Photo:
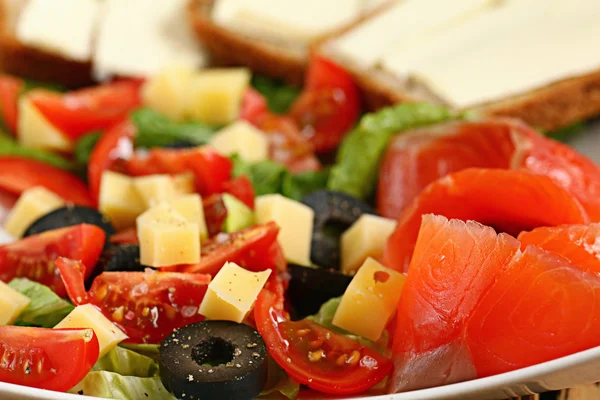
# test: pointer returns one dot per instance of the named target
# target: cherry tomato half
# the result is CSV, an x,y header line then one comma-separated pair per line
x,y
10,90
242,189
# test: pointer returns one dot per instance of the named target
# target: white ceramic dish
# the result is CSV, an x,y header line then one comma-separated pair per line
x,y
577,369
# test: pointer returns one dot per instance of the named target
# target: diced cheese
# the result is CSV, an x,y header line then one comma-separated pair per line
x,y
167,92
88,316
34,130
167,238
158,36
184,183
295,221
32,204
190,207
12,304
154,188
232,293
365,238
63,27
5,237
370,300
119,200
216,95
243,139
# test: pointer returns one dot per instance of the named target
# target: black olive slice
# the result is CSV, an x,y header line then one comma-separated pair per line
x,y
69,216
121,257
334,213
214,360
310,287
180,144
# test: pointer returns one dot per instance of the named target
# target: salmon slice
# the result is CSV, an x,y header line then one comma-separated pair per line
x,y
475,305
511,201
414,160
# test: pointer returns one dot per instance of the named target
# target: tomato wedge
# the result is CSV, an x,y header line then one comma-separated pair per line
x,y
148,306
215,213
52,359
115,144
33,257
126,236
254,105
242,189
19,174
328,107
211,170
81,111
315,356
10,90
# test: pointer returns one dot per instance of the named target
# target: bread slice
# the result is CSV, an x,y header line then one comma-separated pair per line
x,y
32,63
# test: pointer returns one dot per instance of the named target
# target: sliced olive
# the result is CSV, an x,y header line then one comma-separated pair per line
x,y
310,287
214,360
334,213
121,257
69,216
180,144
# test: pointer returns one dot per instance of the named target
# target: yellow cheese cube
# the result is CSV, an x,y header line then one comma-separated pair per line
x,y
216,95
154,188
295,221
232,293
119,200
365,238
167,238
184,183
88,316
167,91
243,139
33,203
12,304
34,130
190,207
370,300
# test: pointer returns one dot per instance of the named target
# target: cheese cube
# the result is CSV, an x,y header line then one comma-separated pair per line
x,y
216,95
88,316
167,238
365,238
295,221
184,183
243,139
370,300
154,188
167,91
232,293
5,237
119,200
33,203
190,207
34,130
12,304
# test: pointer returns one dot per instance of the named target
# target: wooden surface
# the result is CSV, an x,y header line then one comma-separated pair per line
x,y
591,392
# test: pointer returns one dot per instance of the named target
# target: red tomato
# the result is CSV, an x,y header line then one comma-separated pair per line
x,y
81,111
33,257
254,105
329,105
52,359
242,189
315,356
114,144
10,90
148,306
210,169
215,213
19,174
127,236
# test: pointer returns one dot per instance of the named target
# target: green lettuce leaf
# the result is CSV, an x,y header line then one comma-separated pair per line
x,y
149,350
8,147
279,385
127,362
114,386
568,132
279,95
84,147
156,130
299,185
46,308
355,171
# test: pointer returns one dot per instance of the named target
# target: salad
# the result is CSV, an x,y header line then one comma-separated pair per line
x,y
213,234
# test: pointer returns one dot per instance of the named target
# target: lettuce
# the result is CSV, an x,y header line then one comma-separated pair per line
x,y
8,147
114,386
127,362
279,95
279,384
46,308
85,145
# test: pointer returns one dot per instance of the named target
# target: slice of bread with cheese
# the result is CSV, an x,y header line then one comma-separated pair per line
x,y
273,37
78,42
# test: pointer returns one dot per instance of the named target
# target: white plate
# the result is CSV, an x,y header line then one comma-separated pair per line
x,y
577,369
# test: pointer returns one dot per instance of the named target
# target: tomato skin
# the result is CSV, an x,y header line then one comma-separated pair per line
x,y
33,257
97,108
254,105
10,90
291,344
113,144
215,213
147,306
64,356
126,236
242,189
19,174
329,105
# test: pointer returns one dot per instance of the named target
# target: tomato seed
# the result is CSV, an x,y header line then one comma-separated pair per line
x,y
354,358
302,332
341,360
117,315
315,356
315,344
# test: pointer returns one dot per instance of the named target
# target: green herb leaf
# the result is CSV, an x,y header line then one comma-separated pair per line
x,y
8,147
279,95
298,186
46,308
85,146
568,132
